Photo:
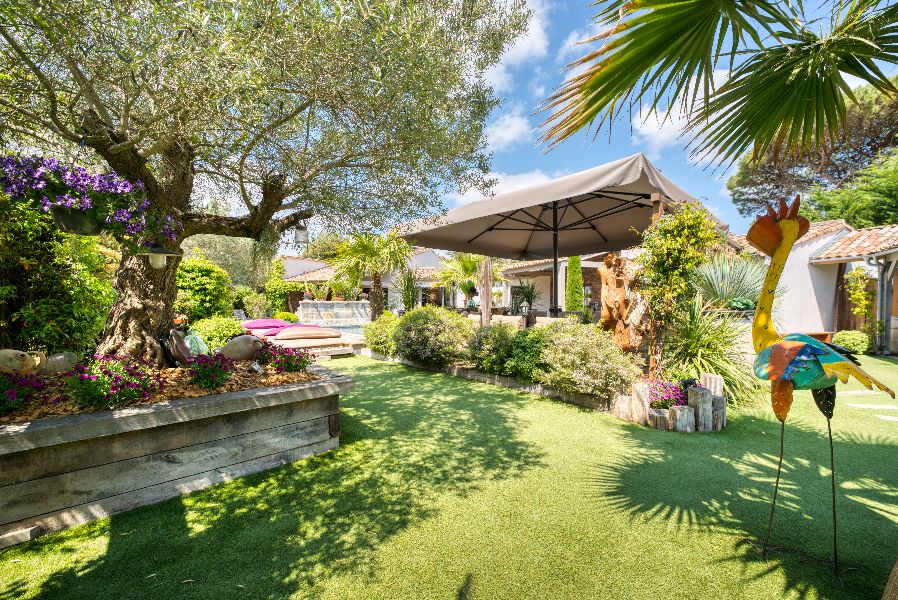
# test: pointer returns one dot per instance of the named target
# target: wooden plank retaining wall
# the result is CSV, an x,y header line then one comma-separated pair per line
x,y
64,471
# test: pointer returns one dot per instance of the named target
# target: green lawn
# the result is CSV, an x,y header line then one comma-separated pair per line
x,y
443,488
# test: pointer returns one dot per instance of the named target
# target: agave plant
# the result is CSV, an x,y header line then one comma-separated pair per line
x,y
702,341
727,281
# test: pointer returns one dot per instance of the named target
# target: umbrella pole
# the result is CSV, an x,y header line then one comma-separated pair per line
x,y
553,310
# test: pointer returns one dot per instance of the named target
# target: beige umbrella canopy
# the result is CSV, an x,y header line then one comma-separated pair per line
x,y
601,209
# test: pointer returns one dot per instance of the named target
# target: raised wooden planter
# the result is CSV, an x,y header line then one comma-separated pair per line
x,y
63,471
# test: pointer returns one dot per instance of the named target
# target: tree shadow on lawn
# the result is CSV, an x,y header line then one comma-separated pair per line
x,y
407,437
724,482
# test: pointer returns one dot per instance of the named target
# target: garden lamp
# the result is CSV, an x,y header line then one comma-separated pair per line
x,y
301,234
525,308
158,255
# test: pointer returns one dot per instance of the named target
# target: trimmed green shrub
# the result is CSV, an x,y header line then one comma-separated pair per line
x,y
527,354
286,316
432,335
491,347
278,289
216,331
857,342
573,289
204,290
584,359
54,291
379,334
255,306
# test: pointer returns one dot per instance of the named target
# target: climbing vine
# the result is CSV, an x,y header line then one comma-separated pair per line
x,y
861,296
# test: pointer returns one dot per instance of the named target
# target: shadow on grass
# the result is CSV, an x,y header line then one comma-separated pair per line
x,y
705,481
407,437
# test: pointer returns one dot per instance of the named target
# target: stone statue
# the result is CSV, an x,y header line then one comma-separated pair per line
x,y
18,362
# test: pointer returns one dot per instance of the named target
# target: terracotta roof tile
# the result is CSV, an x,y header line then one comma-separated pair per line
x,y
322,274
863,242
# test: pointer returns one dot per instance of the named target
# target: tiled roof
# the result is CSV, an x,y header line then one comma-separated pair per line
x,y
860,243
738,240
817,229
521,264
427,273
322,274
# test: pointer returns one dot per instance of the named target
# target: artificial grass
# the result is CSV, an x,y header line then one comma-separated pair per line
x,y
445,488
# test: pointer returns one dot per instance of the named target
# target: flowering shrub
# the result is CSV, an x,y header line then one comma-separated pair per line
x,y
17,390
584,359
212,371
110,380
291,360
432,335
379,334
664,394
118,203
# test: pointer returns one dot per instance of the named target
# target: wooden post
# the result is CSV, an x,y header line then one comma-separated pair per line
x,y
486,291
718,413
683,418
621,407
700,399
659,418
891,592
639,412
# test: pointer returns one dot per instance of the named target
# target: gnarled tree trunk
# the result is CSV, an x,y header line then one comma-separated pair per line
x,y
143,310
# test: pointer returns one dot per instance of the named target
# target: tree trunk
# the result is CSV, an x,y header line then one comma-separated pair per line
x,y
376,297
143,309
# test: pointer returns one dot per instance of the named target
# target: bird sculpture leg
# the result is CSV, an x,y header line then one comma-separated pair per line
x,y
781,399
826,401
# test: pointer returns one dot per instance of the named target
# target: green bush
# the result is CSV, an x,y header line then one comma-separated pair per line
x,y
277,289
432,335
216,331
286,316
857,342
54,291
255,306
491,347
527,354
573,289
379,334
240,293
701,341
204,290
584,359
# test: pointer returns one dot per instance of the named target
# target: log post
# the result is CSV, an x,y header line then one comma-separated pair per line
x,y
639,412
621,407
486,291
891,592
700,399
712,382
659,418
683,418
718,413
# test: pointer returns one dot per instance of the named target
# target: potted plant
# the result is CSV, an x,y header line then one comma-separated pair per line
x,y
87,203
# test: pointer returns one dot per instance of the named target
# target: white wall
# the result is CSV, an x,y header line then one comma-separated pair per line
x,y
808,302
297,266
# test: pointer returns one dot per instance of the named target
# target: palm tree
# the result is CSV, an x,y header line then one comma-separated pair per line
x,y
368,255
784,91
461,270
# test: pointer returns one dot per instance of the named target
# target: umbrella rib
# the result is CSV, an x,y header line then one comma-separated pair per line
x,y
503,218
591,224
540,219
607,213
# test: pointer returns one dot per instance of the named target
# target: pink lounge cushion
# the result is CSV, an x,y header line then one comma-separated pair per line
x,y
276,330
264,323
306,333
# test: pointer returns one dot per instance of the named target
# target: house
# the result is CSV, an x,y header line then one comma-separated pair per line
x,y
814,299
539,272
424,261
297,265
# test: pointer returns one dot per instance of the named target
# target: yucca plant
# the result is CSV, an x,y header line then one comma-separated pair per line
x,y
725,281
409,288
700,341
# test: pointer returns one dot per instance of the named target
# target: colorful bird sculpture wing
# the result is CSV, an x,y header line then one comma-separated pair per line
x,y
834,365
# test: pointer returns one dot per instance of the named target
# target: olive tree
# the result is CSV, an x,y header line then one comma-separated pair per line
x,y
361,111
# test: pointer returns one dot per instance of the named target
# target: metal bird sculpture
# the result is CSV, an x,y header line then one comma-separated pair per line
x,y
795,361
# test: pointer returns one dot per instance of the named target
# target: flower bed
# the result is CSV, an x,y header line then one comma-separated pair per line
x,y
65,470
105,382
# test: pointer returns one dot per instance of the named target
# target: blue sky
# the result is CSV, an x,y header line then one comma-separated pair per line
x,y
528,73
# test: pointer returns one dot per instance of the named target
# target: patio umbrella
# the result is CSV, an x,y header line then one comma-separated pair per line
x,y
598,210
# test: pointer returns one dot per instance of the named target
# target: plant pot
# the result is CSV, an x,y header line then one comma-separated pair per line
x,y
74,220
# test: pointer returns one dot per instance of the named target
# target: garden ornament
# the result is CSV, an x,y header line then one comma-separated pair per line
x,y
18,362
58,363
242,347
795,361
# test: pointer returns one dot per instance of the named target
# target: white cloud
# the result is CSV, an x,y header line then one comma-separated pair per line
x,y
571,47
663,128
531,46
508,182
509,130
